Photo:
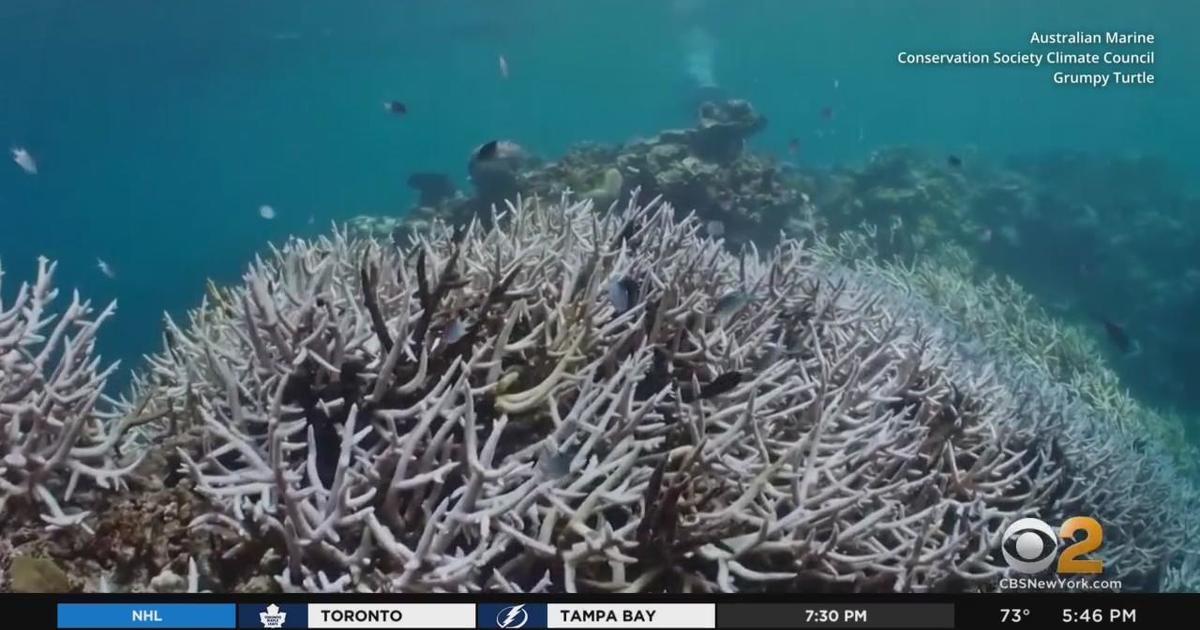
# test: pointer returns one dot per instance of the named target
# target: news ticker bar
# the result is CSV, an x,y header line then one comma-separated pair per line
x,y
977,613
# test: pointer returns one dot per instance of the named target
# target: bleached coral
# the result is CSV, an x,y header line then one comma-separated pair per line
x,y
51,436
1132,451
579,401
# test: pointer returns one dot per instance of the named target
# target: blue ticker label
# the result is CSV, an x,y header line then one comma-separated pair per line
x,y
147,615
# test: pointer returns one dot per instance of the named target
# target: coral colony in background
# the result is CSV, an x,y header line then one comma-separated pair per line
x,y
639,368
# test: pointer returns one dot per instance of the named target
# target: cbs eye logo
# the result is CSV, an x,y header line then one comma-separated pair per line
x,y
1029,545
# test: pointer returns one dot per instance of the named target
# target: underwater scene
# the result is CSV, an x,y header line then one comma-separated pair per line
x,y
609,296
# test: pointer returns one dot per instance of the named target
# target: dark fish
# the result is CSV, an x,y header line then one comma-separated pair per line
x,y
434,187
954,161
487,151
624,293
398,239
794,146
720,385
651,315
396,107
827,112
657,377
1118,336
732,301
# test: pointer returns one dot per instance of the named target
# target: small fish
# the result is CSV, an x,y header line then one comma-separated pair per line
x,y
312,219
716,229
105,269
24,160
1118,336
454,331
555,464
503,67
954,161
433,187
623,292
395,107
266,212
986,235
827,112
836,84
722,384
732,302
794,146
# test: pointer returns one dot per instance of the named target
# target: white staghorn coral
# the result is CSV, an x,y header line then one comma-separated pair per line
x,y
1139,475
575,401
51,436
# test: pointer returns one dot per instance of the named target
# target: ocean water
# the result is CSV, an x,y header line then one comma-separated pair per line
x,y
160,128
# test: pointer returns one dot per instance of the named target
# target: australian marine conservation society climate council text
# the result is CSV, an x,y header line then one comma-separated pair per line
x,y
1063,57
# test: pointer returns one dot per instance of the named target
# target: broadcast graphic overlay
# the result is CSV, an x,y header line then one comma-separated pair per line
x,y
1032,547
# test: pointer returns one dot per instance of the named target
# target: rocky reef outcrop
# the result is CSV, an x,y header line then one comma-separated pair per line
x,y
705,169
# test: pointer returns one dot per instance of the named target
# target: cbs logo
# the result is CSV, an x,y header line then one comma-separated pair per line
x,y
1029,545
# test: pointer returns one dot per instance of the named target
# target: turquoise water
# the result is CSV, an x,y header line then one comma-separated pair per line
x,y
160,128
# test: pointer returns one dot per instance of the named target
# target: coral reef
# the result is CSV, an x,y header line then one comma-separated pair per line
x,y
1096,238
913,201
1006,328
1093,237
705,169
54,444
578,396
1129,226
575,401
724,127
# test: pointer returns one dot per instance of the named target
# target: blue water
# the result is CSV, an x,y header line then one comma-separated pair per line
x,y
161,127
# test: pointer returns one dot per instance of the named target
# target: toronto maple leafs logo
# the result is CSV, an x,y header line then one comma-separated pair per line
x,y
273,618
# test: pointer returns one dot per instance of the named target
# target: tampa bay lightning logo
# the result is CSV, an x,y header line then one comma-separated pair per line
x,y
512,617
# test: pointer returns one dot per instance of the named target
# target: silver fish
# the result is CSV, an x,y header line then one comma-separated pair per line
x,y
623,292
454,331
24,160
716,229
105,269
732,302
555,464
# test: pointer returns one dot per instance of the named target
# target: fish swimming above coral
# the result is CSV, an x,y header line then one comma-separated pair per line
x,y
24,160
1119,337
494,167
433,187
